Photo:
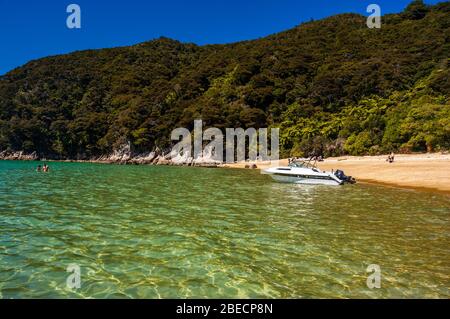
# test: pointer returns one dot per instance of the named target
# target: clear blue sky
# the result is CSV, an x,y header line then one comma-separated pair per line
x,y
37,28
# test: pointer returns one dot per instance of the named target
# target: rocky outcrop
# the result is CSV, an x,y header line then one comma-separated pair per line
x,y
206,160
120,155
124,155
18,156
142,159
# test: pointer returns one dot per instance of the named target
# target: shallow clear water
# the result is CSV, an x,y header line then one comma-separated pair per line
x,y
168,232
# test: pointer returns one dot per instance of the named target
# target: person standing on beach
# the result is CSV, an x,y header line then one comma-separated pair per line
x,y
391,158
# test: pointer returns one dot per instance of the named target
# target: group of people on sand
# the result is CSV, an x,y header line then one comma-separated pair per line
x,y
43,168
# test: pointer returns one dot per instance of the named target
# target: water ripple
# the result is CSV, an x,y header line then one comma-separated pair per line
x,y
167,232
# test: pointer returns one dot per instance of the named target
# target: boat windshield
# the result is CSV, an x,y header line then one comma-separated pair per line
x,y
301,165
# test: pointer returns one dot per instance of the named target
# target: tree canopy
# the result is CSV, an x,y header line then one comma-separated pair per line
x,y
333,85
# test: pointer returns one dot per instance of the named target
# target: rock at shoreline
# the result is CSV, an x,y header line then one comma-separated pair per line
x,y
144,158
124,156
18,156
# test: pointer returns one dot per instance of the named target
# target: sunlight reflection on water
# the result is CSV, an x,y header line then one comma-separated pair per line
x,y
160,232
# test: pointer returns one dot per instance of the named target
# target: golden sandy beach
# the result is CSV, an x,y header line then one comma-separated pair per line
x,y
420,171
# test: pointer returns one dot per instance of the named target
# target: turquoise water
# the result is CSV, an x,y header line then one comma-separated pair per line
x,y
171,232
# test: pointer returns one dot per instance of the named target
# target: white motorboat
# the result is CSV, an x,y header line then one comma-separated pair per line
x,y
306,173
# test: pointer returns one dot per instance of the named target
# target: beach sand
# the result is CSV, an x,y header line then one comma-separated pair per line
x,y
418,171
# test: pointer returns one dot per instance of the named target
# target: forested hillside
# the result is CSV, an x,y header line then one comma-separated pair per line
x,y
332,85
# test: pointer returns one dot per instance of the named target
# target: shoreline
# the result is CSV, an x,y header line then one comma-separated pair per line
x,y
425,172
118,158
422,172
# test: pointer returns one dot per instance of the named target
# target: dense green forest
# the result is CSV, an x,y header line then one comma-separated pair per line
x,y
333,86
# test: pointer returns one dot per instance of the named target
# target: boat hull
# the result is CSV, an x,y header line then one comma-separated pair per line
x,y
303,173
302,180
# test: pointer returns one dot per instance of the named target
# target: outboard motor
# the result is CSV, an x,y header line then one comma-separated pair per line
x,y
346,179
